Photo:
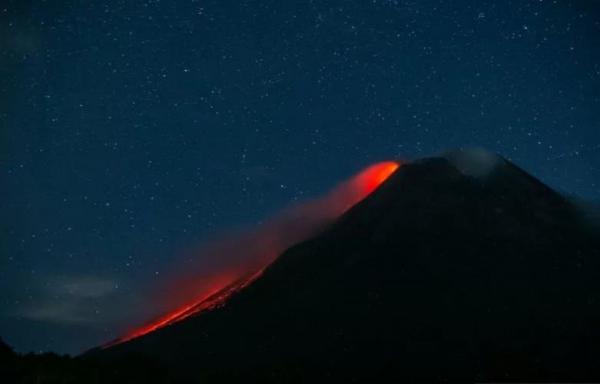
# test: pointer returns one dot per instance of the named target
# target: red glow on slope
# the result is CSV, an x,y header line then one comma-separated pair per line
x,y
212,299
371,178
250,253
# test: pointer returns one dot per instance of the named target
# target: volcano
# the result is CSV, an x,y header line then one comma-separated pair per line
x,y
458,267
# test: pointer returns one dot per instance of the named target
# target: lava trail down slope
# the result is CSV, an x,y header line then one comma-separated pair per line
x,y
260,247
458,267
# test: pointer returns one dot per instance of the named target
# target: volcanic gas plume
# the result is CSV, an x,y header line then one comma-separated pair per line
x,y
234,261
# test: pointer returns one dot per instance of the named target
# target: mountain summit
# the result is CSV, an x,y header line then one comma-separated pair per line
x,y
457,267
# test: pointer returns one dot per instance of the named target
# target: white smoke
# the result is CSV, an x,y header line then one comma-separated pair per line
x,y
474,162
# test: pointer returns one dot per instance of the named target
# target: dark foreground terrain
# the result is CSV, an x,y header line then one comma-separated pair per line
x,y
461,267
51,368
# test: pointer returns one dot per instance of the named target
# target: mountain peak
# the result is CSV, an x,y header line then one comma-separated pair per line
x,y
460,267
475,162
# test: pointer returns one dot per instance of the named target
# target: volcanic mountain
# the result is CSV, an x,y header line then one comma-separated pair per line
x,y
457,267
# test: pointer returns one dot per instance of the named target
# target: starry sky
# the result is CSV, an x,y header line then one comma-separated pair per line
x,y
132,131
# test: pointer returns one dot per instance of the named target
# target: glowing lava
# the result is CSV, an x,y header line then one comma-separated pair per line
x,y
262,246
371,178
208,301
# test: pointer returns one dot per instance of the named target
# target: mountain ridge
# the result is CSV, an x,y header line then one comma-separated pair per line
x,y
436,275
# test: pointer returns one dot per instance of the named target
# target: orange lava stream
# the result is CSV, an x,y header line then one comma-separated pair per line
x,y
371,178
214,298
338,201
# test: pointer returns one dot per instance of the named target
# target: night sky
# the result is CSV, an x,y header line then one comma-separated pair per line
x,y
131,132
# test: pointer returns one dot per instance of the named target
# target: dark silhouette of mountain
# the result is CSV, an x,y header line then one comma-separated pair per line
x,y
50,368
462,267
591,209
5,350
458,267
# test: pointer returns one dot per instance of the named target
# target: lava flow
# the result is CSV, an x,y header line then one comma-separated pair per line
x,y
210,300
247,255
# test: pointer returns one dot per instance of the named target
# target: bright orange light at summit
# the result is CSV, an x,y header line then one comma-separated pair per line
x,y
375,175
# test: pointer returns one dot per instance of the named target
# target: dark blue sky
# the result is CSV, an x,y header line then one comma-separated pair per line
x,y
131,131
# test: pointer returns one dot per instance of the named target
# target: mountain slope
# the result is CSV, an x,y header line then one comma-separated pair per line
x,y
459,267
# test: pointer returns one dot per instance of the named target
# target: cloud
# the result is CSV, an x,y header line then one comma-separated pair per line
x,y
61,311
71,300
86,286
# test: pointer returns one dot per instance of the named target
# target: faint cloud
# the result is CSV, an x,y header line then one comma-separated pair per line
x,y
71,300
63,312
86,287
475,162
